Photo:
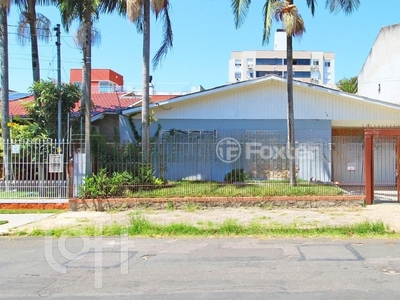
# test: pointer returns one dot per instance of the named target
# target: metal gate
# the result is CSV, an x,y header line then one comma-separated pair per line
x,y
35,169
382,164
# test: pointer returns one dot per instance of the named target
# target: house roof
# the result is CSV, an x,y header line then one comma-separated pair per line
x,y
103,103
262,80
16,107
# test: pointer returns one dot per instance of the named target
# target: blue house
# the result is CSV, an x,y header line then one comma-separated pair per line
x,y
243,125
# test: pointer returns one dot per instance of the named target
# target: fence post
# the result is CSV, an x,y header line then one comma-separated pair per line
x,y
369,168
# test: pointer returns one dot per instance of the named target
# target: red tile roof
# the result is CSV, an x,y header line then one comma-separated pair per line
x,y
103,102
16,107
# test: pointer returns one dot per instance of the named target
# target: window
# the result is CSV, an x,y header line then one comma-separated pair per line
x,y
299,62
238,62
315,62
238,76
265,73
269,61
327,63
105,86
299,74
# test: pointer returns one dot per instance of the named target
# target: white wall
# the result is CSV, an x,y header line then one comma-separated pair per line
x,y
380,76
267,99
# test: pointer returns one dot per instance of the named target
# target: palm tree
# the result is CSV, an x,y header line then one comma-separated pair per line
x,y
85,12
286,12
32,27
138,11
4,9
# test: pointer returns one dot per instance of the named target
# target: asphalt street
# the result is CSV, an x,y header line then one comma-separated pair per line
x,y
239,268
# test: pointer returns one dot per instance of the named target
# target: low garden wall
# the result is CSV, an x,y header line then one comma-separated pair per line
x,y
210,202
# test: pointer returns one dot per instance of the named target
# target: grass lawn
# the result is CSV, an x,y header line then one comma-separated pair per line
x,y
3,222
141,227
212,189
16,194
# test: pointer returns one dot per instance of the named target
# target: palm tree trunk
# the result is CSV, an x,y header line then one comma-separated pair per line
x,y
145,92
290,116
4,91
87,52
34,40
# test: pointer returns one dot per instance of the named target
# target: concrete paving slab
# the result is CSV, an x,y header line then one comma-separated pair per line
x,y
17,220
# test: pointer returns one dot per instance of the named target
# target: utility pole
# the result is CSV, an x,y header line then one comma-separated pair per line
x,y
87,90
58,44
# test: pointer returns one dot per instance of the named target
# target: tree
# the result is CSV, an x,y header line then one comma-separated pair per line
x,y
287,12
43,110
138,11
4,8
85,12
348,85
32,27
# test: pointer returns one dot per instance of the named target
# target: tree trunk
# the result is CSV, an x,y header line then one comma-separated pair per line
x,y
145,85
87,52
290,113
34,40
4,93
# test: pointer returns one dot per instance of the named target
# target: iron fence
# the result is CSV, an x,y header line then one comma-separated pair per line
x,y
196,163
210,163
35,169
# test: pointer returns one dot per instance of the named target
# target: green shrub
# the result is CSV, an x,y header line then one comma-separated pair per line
x,y
119,183
101,185
145,176
236,175
96,186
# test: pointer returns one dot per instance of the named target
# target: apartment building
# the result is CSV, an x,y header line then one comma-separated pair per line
x,y
308,66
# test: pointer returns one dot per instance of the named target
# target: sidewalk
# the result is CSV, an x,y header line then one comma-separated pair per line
x,y
387,213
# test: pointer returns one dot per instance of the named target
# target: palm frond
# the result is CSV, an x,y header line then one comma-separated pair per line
x,y
347,6
5,4
289,15
43,26
168,38
80,36
268,12
134,9
158,5
23,32
312,4
240,9
111,6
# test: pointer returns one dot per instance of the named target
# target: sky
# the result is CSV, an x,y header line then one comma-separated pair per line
x,y
204,36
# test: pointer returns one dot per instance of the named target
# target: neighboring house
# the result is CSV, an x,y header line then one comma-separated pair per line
x,y
197,132
105,115
380,75
108,97
103,80
308,66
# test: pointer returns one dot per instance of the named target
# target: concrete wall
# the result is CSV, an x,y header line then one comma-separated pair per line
x,y
109,126
380,75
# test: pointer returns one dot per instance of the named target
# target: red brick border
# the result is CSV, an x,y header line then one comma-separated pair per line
x,y
39,206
